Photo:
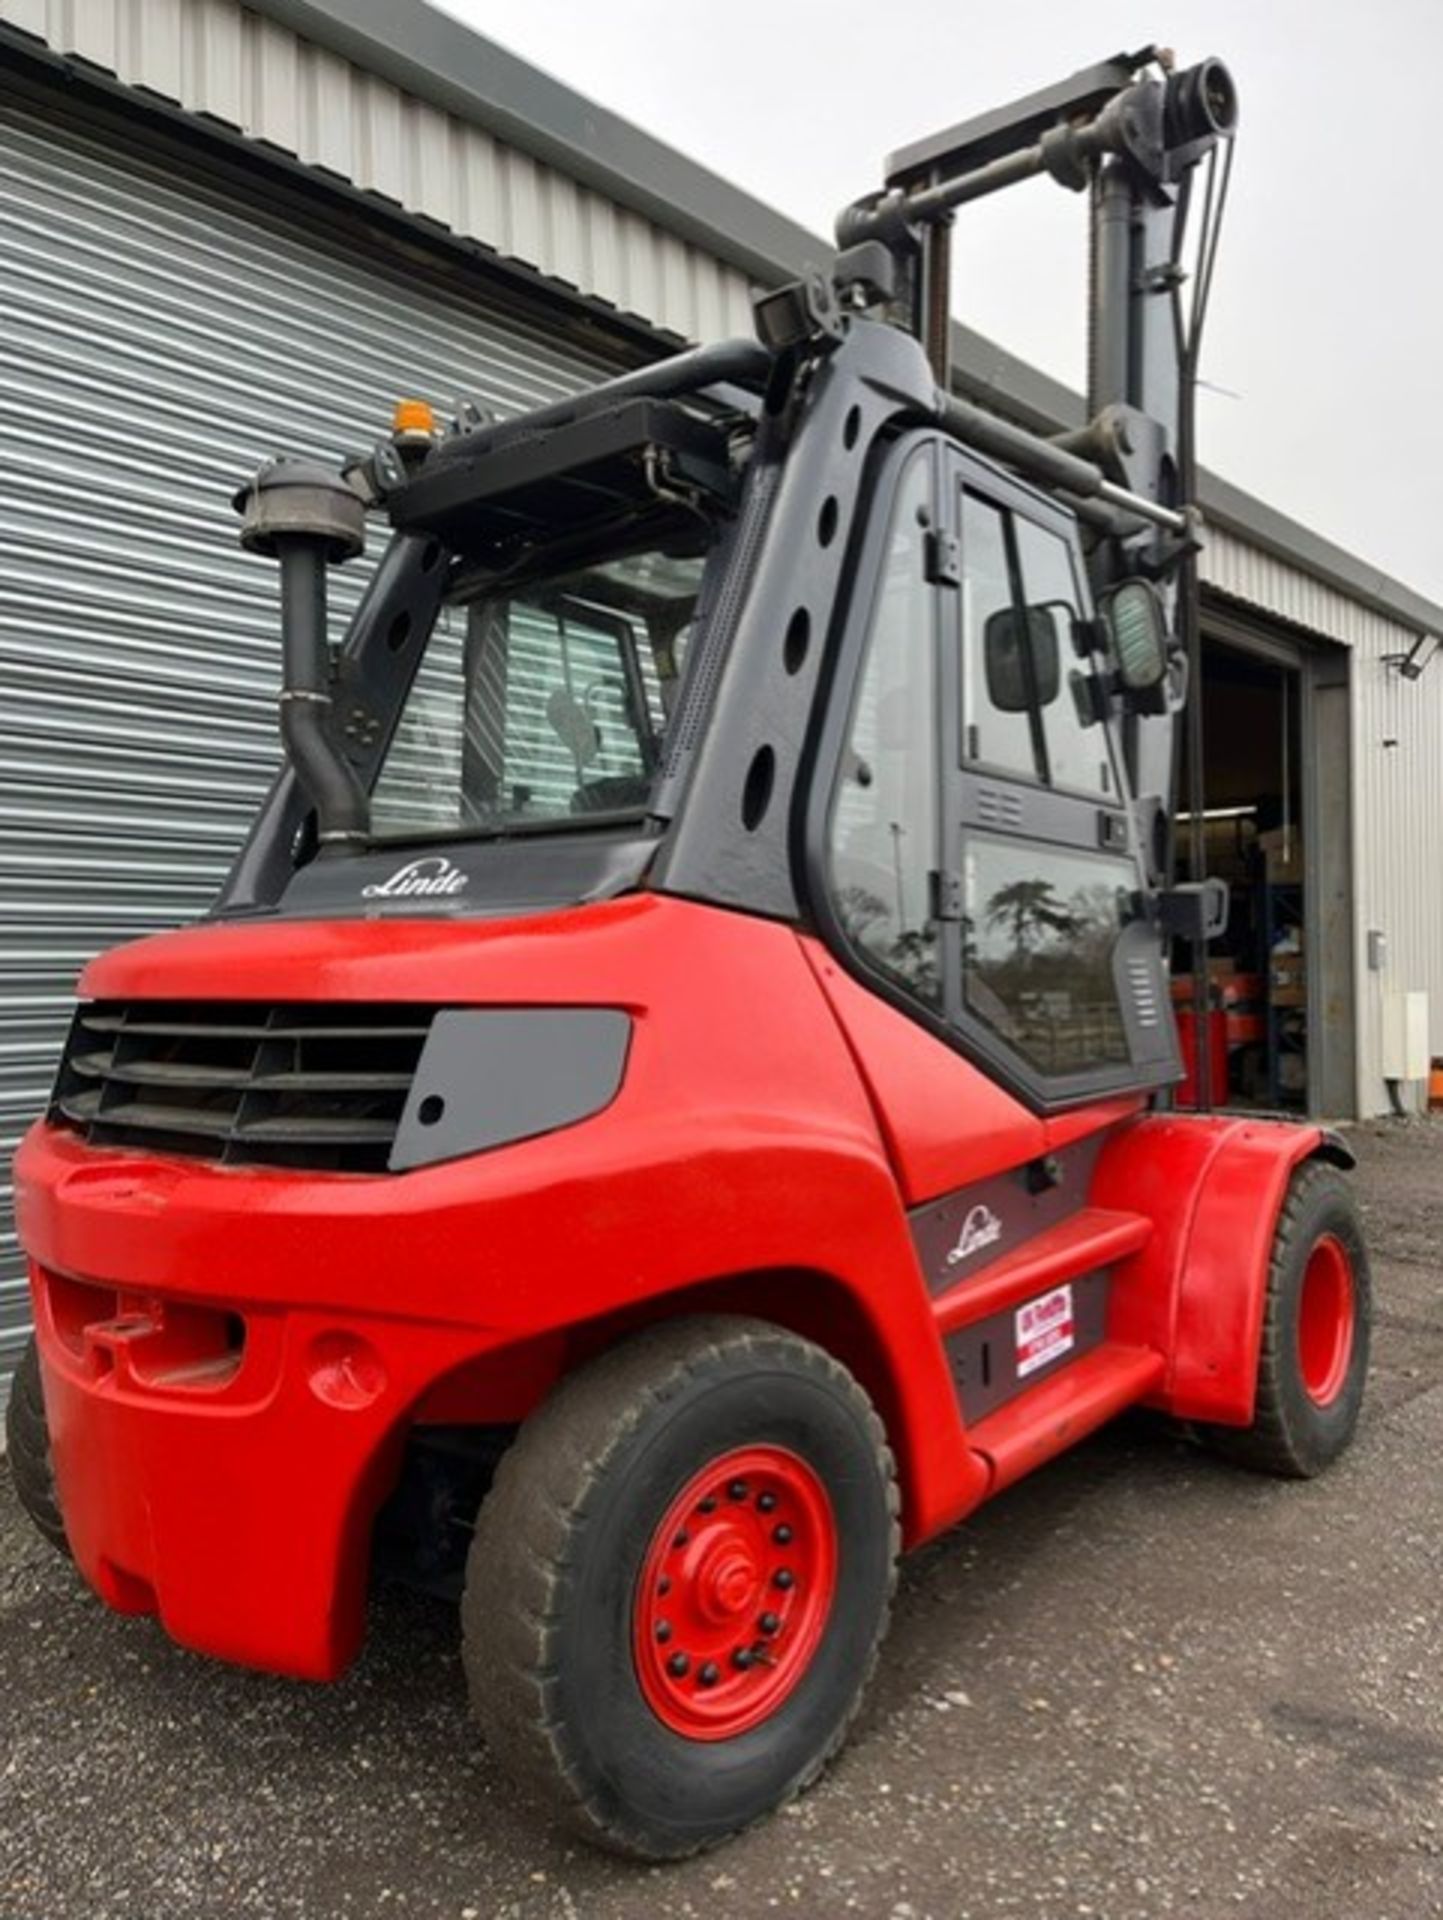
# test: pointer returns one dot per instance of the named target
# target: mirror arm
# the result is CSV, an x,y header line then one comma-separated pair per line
x,y
1195,910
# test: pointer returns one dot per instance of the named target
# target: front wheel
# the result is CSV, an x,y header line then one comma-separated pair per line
x,y
679,1582
1313,1362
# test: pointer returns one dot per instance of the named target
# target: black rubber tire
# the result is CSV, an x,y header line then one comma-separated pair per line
x,y
547,1610
1291,1435
27,1448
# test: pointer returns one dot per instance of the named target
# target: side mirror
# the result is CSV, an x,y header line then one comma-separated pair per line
x,y
1003,638
1137,627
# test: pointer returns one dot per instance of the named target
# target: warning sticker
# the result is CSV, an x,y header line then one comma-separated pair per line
x,y
1045,1329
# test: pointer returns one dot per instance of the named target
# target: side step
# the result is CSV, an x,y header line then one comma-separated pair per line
x,y
1093,1238
1045,1419
1072,1403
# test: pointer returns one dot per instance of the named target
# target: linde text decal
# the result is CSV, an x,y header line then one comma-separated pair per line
x,y
979,1230
430,876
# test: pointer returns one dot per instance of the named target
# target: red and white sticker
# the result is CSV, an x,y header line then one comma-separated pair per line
x,y
1045,1329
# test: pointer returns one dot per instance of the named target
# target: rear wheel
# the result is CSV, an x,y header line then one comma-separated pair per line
x,y
1314,1357
679,1582
27,1448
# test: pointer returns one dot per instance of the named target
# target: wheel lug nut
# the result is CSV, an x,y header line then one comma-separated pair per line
x,y
743,1658
663,1631
664,1584
678,1665
766,1502
706,1506
784,1578
782,1536
769,1622
682,1539
738,1489
709,1674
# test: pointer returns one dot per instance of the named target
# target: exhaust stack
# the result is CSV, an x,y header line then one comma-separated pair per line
x,y
304,516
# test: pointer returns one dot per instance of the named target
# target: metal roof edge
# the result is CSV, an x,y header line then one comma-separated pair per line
x,y
1264,527
439,58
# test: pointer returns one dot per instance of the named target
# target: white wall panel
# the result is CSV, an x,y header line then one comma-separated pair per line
x,y
1398,863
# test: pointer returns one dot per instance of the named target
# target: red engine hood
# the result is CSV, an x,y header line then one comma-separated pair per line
x,y
585,953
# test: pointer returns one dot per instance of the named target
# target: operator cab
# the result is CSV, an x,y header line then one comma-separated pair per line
x,y
553,687
545,651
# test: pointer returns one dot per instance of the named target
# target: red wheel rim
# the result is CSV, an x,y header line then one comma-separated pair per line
x,y
734,1592
1326,1311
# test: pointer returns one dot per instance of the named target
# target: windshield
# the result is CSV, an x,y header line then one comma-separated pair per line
x,y
543,704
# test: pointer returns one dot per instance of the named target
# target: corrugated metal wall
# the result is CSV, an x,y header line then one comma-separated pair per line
x,y
1398,785
160,338
220,59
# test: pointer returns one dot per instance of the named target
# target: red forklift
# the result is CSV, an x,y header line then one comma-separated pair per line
x,y
673,1102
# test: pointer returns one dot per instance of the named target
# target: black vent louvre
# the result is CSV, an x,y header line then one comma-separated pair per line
x,y
240,1083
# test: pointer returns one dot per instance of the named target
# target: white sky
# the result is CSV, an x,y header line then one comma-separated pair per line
x,y
1326,311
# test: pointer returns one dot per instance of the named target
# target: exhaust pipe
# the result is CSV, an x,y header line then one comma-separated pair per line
x,y
306,518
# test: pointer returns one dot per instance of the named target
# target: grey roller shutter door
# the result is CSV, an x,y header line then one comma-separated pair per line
x,y
159,335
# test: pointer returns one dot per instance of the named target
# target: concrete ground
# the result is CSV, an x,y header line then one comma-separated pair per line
x,y
1140,1684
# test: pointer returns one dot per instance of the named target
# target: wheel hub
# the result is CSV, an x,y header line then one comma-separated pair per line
x,y
1327,1311
727,1580
734,1592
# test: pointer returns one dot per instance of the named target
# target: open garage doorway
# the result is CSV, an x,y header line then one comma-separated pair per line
x,y
1277,827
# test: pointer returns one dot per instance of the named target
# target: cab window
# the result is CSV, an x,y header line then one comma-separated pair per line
x,y
1040,927
1027,706
883,831
999,729
1074,740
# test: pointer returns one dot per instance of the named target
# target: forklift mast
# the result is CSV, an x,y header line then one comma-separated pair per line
x,y
1128,133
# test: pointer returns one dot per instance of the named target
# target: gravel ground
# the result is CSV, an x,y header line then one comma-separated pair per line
x,y
1140,1684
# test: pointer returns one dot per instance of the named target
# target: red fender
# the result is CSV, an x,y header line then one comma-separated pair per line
x,y
1213,1186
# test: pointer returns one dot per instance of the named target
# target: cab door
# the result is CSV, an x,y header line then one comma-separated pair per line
x,y
1054,968
879,807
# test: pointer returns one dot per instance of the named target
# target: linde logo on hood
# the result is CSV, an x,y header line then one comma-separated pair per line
x,y
431,876
980,1229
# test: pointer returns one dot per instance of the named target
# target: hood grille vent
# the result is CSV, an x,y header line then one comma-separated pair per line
x,y
242,1083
